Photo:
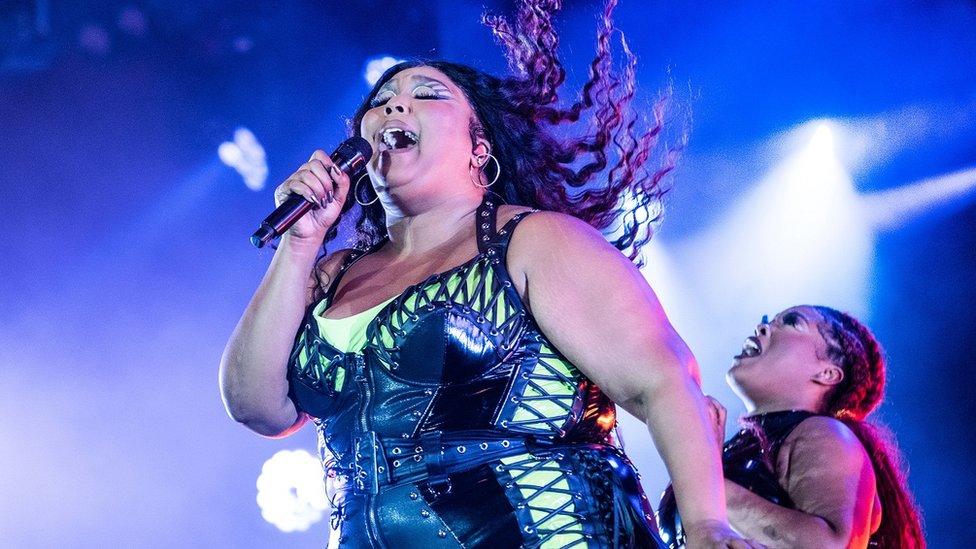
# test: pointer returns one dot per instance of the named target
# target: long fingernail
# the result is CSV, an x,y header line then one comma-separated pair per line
x,y
314,200
331,196
335,170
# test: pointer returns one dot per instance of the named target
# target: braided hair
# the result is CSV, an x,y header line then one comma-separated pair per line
x,y
853,348
520,115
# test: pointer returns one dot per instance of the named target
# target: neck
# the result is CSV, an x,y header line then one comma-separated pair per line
x,y
426,227
766,407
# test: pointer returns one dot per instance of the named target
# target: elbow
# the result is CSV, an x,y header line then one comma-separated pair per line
x,y
267,419
265,423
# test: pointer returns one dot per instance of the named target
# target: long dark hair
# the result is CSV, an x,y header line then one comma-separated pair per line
x,y
852,347
518,116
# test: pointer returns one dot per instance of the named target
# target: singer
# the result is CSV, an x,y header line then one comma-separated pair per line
x,y
462,362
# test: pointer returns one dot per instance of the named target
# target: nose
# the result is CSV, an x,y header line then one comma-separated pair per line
x,y
395,105
763,328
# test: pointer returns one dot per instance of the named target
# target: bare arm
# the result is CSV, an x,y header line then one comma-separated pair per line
x,y
253,368
829,477
599,311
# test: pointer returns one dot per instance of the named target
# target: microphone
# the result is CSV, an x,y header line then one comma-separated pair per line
x,y
350,157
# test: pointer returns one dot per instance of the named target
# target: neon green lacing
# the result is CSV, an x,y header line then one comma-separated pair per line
x,y
550,501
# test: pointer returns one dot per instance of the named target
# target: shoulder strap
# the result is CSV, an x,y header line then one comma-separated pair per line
x,y
488,236
349,260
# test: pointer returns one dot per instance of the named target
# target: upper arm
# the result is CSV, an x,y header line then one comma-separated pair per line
x,y
828,474
596,307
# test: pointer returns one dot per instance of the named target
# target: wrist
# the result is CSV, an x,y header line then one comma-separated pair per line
x,y
300,247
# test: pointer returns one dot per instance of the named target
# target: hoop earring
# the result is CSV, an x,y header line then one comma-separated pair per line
x,y
356,193
481,170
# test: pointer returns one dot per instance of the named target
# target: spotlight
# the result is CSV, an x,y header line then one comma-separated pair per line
x,y
376,66
246,155
291,494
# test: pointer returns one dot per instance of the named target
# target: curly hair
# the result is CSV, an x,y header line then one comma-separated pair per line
x,y
519,115
853,348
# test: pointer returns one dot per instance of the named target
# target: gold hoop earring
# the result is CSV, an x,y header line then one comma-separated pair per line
x,y
481,170
356,193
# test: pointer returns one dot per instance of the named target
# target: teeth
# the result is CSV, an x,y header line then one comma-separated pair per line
x,y
398,138
750,347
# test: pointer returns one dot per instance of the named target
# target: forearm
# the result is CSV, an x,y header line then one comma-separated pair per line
x,y
253,368
776,526
677,420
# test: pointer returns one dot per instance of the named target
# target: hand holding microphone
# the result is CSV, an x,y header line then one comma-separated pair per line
x,y
322,181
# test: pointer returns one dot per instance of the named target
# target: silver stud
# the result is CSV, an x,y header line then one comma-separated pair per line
x,y
425,513
441,534
414,495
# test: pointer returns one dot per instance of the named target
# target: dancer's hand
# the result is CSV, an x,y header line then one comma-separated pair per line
x,y
717,413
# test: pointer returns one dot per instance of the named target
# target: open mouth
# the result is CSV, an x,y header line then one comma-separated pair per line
x,y
397,139
750,347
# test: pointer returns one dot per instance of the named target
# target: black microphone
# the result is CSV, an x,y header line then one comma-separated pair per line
x,y
351,157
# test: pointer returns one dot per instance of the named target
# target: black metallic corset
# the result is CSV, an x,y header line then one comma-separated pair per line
x,y
458,398
748,459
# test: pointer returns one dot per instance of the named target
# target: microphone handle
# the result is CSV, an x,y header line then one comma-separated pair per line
x,y
280,220
295,206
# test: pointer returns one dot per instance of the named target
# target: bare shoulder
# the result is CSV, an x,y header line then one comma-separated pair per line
x,y
822,437
545,229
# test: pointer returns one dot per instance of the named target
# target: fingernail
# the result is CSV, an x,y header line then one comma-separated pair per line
x,y
335,170
314,200
331,196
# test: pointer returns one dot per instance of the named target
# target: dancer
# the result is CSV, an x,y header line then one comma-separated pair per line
x,y
807,469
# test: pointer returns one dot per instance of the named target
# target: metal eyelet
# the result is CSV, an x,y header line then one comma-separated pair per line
x,y
483,446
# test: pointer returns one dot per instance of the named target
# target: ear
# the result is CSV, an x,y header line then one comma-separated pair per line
x,y
481,147
828,374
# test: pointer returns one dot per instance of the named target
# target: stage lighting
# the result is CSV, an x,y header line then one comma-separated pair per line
x,y
376,66
246,155
291,493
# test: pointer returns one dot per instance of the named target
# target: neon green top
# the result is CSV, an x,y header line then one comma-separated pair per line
x,y
347,334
